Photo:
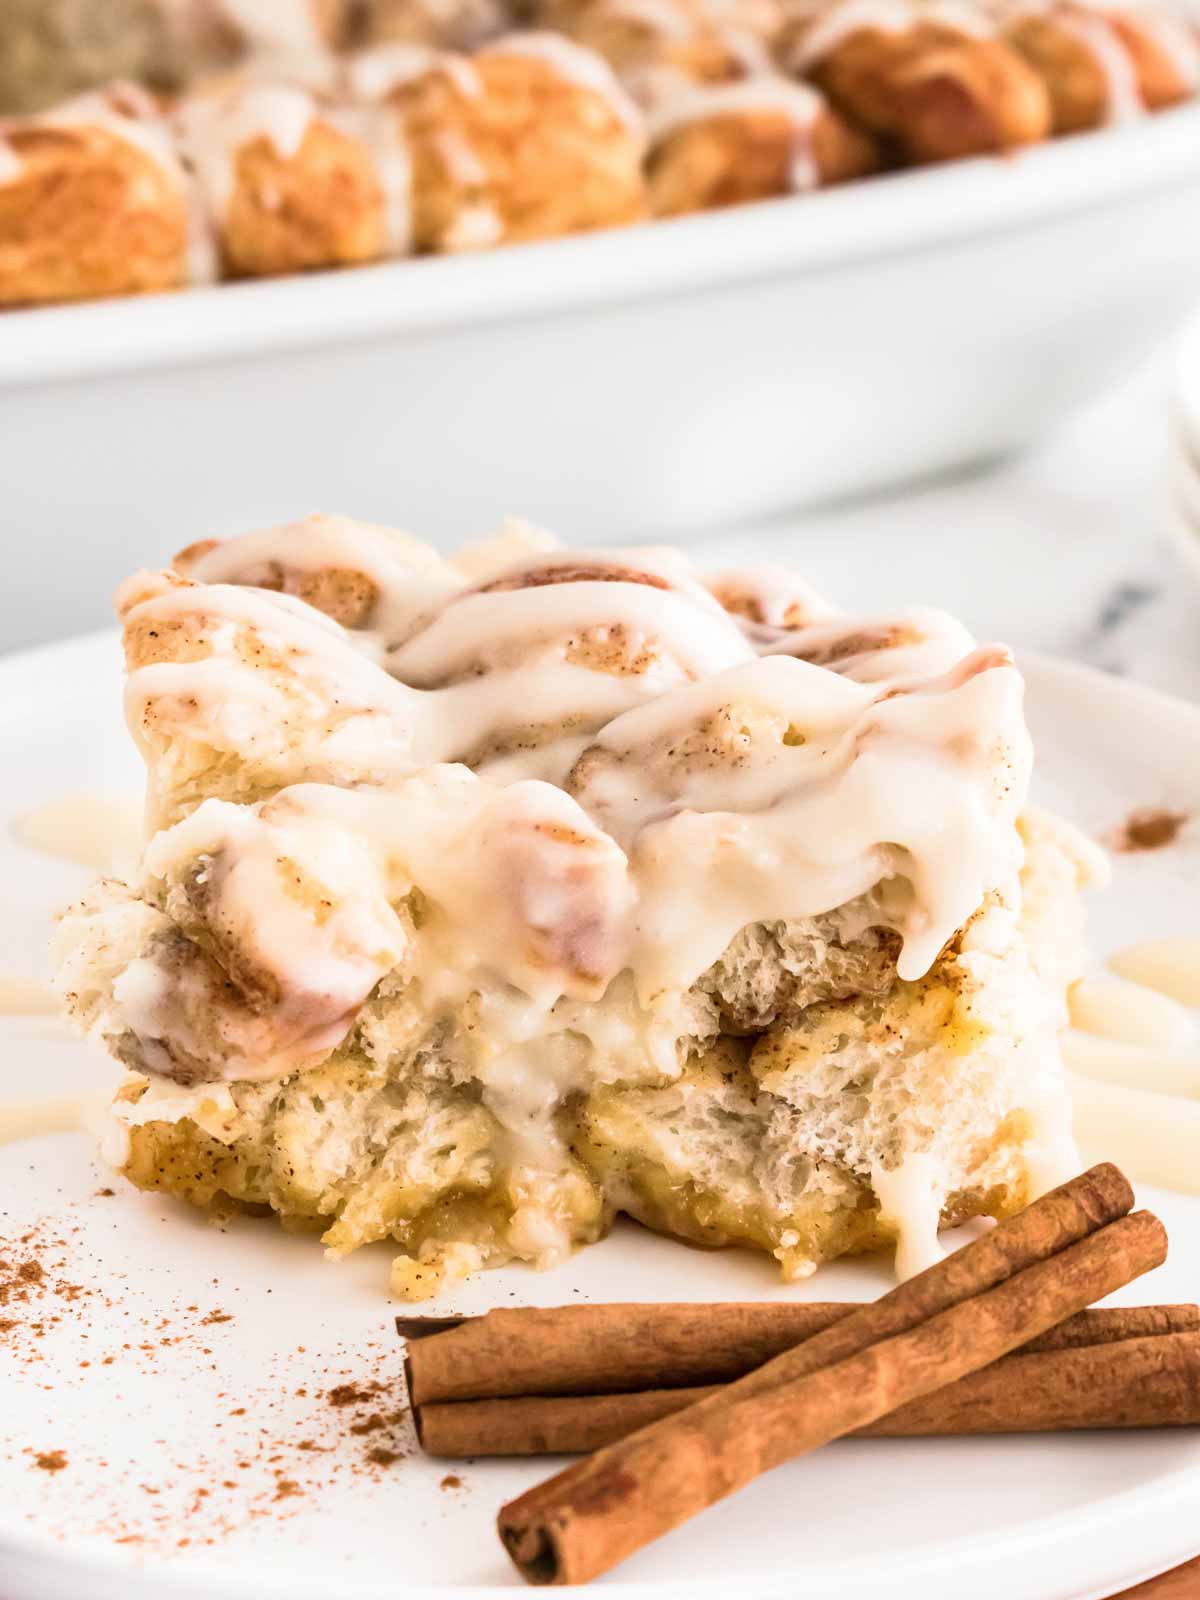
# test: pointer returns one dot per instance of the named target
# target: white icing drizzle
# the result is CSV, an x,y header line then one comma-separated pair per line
x,y
375,74
477,226
817,823
903,789
517,541
480,625
652,773
464,167
97,831
769,600
26,997
31,1119
407,590
1172,966
385,136
1153,1137
801,105
1175,36
1135,1062
1093,23
910,1202
834,24
574,64
1108,50
11,165
125,111
1051,1152
203,252
1130,1013
213,128
1165,1069
284,26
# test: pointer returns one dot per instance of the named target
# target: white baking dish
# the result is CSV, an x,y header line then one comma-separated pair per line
x,y
648,380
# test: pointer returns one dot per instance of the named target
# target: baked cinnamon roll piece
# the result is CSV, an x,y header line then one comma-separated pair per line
x,y
528,662
444,24
768,600
93,202
529,139
756,140
1104,64
658,48
747,934
234,693
289,183
367,578
934,79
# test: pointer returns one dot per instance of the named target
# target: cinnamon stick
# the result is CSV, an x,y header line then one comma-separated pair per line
x,y
597,1349
1027,1275
601,1349
1148,1382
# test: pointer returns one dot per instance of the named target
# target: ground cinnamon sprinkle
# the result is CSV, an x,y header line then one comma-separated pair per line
x,y
348,1394
313,1421
1149,828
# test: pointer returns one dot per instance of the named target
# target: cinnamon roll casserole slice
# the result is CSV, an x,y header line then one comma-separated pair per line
x,y
484,899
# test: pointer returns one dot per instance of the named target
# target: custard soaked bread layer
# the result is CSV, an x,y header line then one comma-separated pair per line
x,y
483,899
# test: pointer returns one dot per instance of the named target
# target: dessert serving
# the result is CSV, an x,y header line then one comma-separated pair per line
x,y
353,134
483,899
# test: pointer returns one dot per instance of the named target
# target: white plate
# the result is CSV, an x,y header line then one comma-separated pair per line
x,y
660,378
233,1401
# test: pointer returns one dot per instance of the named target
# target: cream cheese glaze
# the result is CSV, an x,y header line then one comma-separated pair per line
x,y
646,783
769,92
1094,30
572,63
123,110
214,127
95,830
833,25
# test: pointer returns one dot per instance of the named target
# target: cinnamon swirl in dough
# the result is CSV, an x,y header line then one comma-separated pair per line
x,y
483,899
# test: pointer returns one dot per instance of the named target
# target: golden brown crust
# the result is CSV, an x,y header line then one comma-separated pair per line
x,y
1074,78
733,157
937,93
88,214
322,207
1078,85
672,42
1159,78
531,156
